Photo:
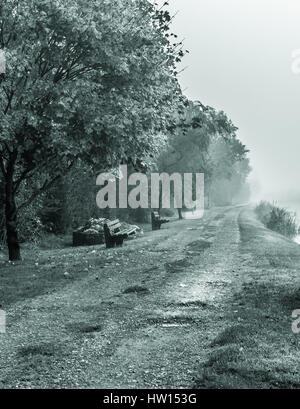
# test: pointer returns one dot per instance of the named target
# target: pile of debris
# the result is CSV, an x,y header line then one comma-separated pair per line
x,y
92,233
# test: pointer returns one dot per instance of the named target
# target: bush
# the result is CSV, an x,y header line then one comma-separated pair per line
x,y
277,219
30,225
263,211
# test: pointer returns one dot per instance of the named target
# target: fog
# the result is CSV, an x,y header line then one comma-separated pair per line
x,y
240,61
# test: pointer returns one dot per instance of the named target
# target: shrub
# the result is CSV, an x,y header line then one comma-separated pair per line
x,y
30,225
277,219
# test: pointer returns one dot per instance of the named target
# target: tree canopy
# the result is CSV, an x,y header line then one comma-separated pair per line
x,y
204,140
84,80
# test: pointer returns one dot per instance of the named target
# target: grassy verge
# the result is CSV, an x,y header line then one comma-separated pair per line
x,y
257,348
277,219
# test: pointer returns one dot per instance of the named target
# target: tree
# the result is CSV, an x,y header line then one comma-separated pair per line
x,y
187,142
204,140
228,169
93,81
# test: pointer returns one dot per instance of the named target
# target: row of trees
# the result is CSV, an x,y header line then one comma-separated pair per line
x,y
204,140
90,81
90,85
201,141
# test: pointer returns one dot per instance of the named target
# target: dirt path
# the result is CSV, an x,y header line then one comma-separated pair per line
x,y
176,308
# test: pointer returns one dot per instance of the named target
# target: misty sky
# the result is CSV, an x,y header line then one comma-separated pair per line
x,y
240,62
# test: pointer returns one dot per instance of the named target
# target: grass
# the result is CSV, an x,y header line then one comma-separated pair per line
x,y
261,352
277,219
41,272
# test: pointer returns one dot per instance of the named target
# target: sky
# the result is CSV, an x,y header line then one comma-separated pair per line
x,y
241,61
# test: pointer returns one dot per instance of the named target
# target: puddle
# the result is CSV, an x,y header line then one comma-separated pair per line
x,y
199,245
84,327
176,321
137,290
195,303
178,265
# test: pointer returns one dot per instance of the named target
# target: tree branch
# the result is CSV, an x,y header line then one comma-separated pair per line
x,y
23,176
47,184
35,194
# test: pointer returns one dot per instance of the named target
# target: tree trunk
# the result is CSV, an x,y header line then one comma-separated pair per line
x,y
209,197
180,214
11,222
